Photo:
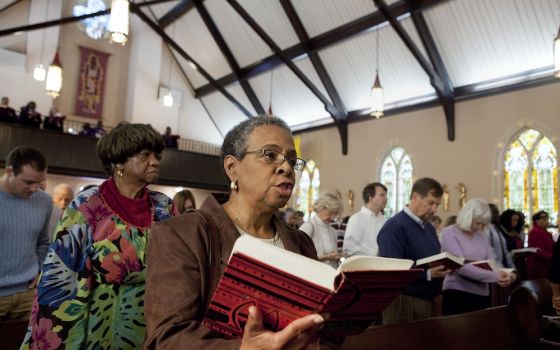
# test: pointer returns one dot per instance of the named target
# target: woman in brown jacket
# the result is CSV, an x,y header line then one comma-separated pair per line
x,y
187,255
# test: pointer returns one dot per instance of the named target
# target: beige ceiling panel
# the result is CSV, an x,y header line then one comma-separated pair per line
x,y
481,40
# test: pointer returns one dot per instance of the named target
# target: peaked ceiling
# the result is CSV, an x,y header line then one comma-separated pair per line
x,y
313,61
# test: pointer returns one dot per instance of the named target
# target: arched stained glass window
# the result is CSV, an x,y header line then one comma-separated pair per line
x,y
308,188
397,174
531,175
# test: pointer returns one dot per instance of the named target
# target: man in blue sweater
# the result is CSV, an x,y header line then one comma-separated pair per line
x,y
24,232
410,235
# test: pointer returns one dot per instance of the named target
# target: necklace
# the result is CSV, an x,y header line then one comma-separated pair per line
x,y
238,219
275,238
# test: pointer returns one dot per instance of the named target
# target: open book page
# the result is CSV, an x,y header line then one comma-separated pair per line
x,y
365,263
286,286
298,265
492,265
447,259
528,250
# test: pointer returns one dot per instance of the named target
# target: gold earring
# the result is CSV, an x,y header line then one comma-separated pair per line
x,y
233,185
120,171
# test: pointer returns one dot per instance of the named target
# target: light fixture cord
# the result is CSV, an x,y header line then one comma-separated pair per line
x,y
271,85
44,31
170,58
377,51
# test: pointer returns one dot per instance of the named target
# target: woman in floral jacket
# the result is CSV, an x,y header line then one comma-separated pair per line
x,y
91,291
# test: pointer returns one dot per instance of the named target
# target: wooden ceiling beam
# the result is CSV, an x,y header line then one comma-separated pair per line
x,y
276,49
443,88
340,117
437,62
176,12
322,41
169,41
226,51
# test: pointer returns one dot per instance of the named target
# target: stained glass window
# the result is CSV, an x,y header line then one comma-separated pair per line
x,y
94,27
397,175
308,188
531,175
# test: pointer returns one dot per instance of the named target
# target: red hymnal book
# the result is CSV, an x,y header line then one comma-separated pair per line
x,y
286,286
449,260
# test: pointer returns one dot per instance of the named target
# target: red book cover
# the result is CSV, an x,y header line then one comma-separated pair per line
x,y
446,259
354,301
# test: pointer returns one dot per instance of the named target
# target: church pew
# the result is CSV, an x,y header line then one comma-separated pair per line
x,y
514,326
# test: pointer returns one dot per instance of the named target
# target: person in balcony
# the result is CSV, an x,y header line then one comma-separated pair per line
x,y
54,121
170,139
28,115
7,113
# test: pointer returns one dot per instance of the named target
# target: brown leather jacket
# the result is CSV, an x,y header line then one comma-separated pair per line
x,y
179,285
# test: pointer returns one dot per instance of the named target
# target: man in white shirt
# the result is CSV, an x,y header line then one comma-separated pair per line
x,y
362,229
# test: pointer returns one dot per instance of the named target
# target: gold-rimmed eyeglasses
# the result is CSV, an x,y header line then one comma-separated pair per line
x,y
275,157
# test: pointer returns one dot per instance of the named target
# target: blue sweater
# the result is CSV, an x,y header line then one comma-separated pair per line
x,y
24,239
402,237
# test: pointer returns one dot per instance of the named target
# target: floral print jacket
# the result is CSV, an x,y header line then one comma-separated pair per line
x,y
91,291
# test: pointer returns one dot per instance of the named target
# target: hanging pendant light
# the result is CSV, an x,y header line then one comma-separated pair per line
x,y
376,94
39,72
377,97
118,22
54,77
557,55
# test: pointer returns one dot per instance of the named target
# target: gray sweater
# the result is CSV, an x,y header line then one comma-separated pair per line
x,y
24,239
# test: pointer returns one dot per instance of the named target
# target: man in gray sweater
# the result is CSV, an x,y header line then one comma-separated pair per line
x,y
24,232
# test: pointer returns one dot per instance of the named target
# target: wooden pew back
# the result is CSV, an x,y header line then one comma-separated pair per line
x,y
515,326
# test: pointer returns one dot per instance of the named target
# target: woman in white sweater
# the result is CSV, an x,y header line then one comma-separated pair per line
x,y
326,209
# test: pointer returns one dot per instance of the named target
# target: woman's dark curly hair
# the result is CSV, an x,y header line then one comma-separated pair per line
x,y
126,140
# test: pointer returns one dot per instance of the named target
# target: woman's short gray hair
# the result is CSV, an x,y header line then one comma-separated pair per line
x,y
476,209
235,142
329,202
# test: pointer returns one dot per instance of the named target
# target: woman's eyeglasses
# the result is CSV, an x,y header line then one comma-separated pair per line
x,y
275,157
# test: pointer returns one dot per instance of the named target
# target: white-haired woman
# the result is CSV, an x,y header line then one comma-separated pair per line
x,y
467,288
327,207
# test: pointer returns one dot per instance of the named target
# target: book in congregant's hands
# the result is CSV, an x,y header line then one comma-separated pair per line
x,y
285,286
446,259
491,265
521,251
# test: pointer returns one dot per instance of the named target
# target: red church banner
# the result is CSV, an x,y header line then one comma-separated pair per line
x,y
91,87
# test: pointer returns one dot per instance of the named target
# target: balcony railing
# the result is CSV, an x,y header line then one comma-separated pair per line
x,y
74,127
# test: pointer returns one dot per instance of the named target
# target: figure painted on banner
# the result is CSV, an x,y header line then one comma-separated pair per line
x,y
92,76
445,198
462,194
